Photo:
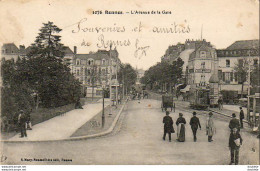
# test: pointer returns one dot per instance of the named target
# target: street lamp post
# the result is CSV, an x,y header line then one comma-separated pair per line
x,y
103,109
116,84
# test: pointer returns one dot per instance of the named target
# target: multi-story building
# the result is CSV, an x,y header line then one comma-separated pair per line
x,y
202,64
232,56
96,70
172,52
11,51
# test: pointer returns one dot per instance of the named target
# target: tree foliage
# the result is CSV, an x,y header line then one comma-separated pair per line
x,y
42,73
163,72
127,75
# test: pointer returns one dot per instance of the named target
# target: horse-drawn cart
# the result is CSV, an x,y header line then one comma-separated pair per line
x,y
167,102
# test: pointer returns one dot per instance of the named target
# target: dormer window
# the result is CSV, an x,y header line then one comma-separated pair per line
x,y
202,54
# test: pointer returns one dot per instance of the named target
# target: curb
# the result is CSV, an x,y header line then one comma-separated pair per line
x,y
225,115
111,128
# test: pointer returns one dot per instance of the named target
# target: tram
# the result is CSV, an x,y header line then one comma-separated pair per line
x,y
199,98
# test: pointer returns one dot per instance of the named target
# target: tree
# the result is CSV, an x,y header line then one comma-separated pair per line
x,y
254,77
15,91
163,73
45,71
241,68
94,77
47,43
127,76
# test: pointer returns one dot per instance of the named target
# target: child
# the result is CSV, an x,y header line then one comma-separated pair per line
x,y
235,140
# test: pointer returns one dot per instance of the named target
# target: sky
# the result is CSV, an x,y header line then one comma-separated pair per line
x,y
221,22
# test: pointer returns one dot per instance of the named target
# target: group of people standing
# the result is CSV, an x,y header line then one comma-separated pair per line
x,y
235,139
194,123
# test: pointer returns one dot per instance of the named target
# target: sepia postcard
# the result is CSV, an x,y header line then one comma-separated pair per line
x,y
116,82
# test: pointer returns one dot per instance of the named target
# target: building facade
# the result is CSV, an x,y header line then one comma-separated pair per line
x,y
11,51
246,51
97,71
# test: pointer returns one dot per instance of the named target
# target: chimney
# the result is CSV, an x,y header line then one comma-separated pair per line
x,y
75,49
22,47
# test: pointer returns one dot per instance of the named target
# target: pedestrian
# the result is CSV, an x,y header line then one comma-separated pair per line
x,y
220,103
78,104
168,126
195,124
28,121
242,116
235,140
181,128
22,122
210,127
234,123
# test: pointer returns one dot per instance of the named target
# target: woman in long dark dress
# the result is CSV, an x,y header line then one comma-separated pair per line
x,y
181,128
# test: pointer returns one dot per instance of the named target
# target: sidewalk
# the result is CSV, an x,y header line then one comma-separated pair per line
x,y
229,109
61,127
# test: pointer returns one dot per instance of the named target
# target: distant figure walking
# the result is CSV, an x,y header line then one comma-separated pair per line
x,y
210,127
195,124
234,123
168,126
235,140
28,120
220,103
22,123
181,128
242,116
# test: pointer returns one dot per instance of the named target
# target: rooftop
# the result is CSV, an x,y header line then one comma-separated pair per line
x,y
244,44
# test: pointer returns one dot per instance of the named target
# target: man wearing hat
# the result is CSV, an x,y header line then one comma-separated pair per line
x,y
168,125
194,123
242,116
234,123
210,127
22,123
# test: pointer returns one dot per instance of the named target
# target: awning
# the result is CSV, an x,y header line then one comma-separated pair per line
x,y
187,88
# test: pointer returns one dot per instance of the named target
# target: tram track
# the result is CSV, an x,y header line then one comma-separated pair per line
x,y
181,106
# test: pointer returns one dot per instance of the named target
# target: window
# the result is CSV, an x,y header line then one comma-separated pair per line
x,y
240,62
202,54
255,61
227,77
227,63
103,62
77,62
103,71
77,72
220,74
223,76
202,80
90,62
202,65
235,76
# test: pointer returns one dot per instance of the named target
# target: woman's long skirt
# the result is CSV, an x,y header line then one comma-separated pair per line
x,y
181,132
